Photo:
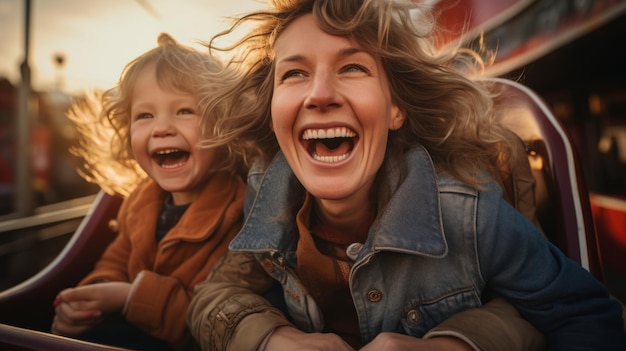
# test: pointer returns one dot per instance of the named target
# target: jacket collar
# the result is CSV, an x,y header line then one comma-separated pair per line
x,y
200,221
410,223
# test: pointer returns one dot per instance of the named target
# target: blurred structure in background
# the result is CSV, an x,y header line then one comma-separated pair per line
x,y
568,51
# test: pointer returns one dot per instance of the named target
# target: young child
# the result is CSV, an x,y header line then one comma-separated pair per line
x,y
379,215
176,222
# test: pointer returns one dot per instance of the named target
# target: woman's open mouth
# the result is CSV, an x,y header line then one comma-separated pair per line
x,y
329,145
170,158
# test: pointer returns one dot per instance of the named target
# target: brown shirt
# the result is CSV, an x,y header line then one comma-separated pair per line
x,y
324,269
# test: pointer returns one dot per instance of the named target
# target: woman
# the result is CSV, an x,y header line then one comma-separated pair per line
x,y
379,216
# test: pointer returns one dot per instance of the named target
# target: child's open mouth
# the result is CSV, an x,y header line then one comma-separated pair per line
x,y
170,158
329,145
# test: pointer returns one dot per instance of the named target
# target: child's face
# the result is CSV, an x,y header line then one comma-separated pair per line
x,y
326,85
164,133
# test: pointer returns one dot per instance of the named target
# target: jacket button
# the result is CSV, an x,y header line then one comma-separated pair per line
x,y
113,225
353,250
374,295
413,317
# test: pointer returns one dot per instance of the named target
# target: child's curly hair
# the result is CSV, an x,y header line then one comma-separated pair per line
x,y
103,118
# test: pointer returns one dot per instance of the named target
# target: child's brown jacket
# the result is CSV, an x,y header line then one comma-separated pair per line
x,y
183,258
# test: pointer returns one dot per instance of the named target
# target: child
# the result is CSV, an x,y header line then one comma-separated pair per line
x,y
379,216
178,220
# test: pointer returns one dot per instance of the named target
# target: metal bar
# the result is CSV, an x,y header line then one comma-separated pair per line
x,y
24,200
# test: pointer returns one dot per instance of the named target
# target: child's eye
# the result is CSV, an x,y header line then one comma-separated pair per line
x,y
143,116
186,111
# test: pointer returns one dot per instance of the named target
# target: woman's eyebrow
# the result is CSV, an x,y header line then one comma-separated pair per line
x,y
291,58
346,52
349,51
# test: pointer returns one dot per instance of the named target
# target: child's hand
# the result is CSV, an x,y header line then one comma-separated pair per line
x,y
74,317
395,341
290,338
79,309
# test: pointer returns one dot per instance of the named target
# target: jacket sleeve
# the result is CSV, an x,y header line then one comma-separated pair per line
x,y
155,306
501,328
228,312
554,293
113,264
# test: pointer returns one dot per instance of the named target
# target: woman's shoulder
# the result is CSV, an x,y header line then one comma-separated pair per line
x,y
488,194
447,183
255,174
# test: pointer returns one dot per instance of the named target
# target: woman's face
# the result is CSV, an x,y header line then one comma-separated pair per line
x,y
331,112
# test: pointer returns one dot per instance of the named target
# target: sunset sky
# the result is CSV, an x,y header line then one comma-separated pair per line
x,y
98,37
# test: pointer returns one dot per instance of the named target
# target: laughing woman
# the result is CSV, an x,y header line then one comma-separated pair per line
x,y
379,215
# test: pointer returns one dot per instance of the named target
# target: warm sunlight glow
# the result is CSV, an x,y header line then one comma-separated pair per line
x,y
97,38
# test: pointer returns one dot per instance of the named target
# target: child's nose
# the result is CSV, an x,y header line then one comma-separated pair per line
x,y
163,126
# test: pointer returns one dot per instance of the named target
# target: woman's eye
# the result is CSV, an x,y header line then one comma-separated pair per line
x,y
355,67
292,74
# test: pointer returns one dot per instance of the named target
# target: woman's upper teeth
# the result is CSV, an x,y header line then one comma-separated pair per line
x,y
339,132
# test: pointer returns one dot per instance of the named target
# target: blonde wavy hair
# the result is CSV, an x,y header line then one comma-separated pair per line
x,y
102,118
449,111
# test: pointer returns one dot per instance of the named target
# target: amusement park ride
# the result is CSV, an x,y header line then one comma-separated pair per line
x,y
533,40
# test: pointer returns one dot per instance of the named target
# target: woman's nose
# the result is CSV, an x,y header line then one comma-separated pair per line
x,y
322,93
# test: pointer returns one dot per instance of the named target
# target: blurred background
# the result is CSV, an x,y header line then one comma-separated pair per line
x,y
51,53
571,52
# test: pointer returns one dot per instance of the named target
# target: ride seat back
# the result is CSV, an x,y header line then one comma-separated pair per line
x,y
561,196
29,304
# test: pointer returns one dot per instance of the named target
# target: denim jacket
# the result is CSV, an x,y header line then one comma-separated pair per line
x,y
431,253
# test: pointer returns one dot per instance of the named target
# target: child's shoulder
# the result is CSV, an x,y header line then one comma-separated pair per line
x,y
147,190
